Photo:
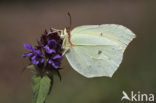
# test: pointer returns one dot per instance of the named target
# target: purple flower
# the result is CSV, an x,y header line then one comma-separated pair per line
x,y
35,55
50,47
55,61
47,54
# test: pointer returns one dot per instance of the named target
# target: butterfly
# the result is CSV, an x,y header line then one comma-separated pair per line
x,y
96,50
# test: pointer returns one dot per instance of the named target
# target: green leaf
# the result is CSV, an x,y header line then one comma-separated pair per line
x,y
41,87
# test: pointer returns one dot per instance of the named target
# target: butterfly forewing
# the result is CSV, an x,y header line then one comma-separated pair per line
x,y
98,49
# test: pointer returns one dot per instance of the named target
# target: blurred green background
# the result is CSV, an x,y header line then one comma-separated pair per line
x,y
24,21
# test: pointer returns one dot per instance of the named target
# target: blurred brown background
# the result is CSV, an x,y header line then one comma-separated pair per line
x,y
24,21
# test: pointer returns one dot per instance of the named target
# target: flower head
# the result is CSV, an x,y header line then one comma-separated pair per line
x,y
47,55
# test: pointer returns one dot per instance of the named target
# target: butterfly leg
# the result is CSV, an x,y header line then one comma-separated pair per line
x,y
65,50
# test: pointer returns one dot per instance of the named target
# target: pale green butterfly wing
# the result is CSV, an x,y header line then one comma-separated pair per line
x,y
98,49
106,34
95,61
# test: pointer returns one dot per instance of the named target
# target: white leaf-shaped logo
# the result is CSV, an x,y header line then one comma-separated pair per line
x,y
125,96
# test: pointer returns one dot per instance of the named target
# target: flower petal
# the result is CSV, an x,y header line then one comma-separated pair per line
x,y
50,61
35,62
26,55
28,47
55,66
33,57
48,50
57,57
38,52
29,54
52,42
42,60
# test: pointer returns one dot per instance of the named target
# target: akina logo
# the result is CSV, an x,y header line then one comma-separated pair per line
x,y
138,96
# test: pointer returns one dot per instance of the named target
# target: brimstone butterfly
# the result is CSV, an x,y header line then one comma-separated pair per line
x,y
96,50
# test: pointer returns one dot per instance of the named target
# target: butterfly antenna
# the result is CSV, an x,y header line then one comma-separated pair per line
x,y
69,28
70,20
